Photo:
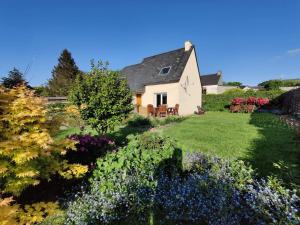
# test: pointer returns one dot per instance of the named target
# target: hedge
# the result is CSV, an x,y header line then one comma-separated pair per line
x,y
220,102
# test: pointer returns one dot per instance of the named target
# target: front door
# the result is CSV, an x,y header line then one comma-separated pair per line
x,y
139,99
138,102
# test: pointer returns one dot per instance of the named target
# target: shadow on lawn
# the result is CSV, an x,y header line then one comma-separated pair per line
x,y
121,134
277,151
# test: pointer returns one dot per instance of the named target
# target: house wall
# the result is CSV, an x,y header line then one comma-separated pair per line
x,y
190,90
217,89
211,89
171,89
222,89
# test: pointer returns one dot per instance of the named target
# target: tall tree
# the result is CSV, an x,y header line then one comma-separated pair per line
x,y
14,78
63,75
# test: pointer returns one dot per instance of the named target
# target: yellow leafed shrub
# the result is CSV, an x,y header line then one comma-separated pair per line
x,y
28,153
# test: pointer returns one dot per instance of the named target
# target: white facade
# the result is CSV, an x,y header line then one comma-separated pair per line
x,y
149,96
217,89
190,90
187,92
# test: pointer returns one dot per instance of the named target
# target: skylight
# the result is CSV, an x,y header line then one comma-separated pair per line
x,y
165,70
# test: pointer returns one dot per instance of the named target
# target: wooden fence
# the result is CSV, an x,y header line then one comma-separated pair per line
x,y
53,100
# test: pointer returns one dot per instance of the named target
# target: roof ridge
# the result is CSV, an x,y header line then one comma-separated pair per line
x,y
162,53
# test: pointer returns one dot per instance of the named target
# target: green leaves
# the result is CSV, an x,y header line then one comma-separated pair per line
x,y
103,97
145,157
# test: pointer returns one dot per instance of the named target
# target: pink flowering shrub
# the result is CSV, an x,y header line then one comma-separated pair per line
x,y
262,101
251,101
237,101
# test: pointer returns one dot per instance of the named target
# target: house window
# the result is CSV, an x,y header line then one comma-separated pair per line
x,y
161,99
165,70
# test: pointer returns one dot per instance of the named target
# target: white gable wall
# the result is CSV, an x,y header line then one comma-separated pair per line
x,y
190,90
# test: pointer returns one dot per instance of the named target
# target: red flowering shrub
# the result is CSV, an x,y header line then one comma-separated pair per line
x,y
89,148
251,101
237,101
262,101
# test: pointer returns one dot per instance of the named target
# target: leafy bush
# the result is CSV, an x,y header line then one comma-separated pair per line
x,y
126,189
138,121
103,97
251,101
124,181
63,115
262,101
271,84
237,101
89,148
144,157
29,214
28,152
167,120
220,102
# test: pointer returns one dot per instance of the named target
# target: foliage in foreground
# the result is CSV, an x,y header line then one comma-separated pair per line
x,y
28,153
11,214
145,184
104,99
220,102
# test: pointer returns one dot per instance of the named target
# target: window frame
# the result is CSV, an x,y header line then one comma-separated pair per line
x,y
162,94
163,74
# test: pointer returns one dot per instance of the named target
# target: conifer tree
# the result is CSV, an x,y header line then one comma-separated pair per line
x,y
14,78
63,75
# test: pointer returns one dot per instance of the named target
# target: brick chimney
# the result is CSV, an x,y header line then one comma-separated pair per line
x,y
187,45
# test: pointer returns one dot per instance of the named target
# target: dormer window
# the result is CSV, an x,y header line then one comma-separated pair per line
x,y
165,70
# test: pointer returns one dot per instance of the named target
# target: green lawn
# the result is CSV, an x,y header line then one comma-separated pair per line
x,y
260,139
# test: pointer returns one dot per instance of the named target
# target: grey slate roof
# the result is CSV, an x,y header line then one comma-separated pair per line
x,y
210,79
147,72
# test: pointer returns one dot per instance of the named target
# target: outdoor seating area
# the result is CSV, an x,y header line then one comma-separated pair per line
x,y
162,110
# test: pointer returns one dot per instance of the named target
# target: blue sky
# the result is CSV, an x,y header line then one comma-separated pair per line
x,y
249,40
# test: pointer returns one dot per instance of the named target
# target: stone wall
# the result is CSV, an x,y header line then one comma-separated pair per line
x,y
290,102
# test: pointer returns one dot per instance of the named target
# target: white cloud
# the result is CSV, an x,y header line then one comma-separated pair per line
x,y
288,53
293,52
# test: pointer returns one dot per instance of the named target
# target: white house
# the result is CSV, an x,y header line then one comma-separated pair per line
x,y
213,84
168,78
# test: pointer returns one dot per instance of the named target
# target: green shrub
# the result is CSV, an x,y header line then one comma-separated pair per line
x,y
103,98
221,102
144,157
141,121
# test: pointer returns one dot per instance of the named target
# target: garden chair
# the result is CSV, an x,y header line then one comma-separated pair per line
x,y
176,109
162,110
150,110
